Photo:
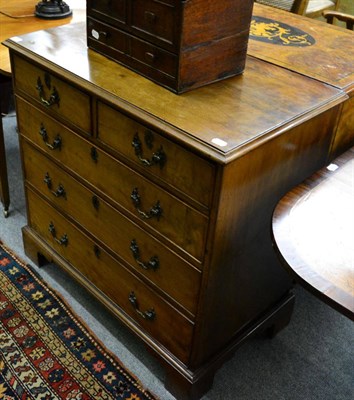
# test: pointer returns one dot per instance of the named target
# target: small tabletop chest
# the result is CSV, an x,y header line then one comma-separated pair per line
x,y
178,44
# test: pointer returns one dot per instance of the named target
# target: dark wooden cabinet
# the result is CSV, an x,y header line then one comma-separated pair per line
x,y
179,44
161,205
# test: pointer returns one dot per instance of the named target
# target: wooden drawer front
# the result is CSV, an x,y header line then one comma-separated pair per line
x,y
155,19
164,213
168,326
139,55
108,10
156,154
107,36
154,57
144,253
62,99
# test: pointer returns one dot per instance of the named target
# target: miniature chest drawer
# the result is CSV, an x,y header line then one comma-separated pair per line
x,y
142,251
151,19
156,154
155,208
158,20
150,311
114,12
58,97
124,47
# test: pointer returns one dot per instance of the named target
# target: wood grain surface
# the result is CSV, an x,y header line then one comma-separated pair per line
x,y
314,231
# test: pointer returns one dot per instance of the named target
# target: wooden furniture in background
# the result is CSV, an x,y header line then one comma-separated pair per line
x,y
180,45
17,18
313,229
161,204
331,16
4,185
332,47
316,7
293,6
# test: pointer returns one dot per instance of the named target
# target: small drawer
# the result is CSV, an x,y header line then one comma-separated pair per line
x,y
153,57
154,207
55,95
143,252
107,35
156,154
108,10
150,311
159,20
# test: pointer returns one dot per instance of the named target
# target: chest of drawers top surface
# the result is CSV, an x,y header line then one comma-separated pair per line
x,y
220,120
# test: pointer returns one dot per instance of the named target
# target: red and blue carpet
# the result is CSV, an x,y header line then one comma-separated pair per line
x,y
45,352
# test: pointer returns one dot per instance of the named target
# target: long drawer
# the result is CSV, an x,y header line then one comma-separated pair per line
x,y
142,251
151,312
158,155
154,207
63,100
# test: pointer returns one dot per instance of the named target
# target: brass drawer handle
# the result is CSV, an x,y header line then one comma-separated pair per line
x,y
148,314
54,96
56,142
158,158
153,263
63,241
154,212
59,192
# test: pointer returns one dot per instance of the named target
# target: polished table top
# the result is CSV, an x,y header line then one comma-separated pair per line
x,y
17,18
313,229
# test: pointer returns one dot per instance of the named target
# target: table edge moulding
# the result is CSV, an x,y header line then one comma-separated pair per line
x,y
212,162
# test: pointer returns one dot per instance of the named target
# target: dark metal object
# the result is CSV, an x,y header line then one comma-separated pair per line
x,y
158,158
95,202
94,154
56,142
54,96
59,192
63,241
155,211
148,314
52,9
153,263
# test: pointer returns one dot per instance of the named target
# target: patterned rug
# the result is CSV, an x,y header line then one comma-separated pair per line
x,y
45,352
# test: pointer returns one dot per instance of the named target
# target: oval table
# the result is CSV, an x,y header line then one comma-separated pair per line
x,y
313,231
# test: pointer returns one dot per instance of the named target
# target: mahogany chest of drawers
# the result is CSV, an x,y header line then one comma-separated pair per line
x,y
176,43
161,205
